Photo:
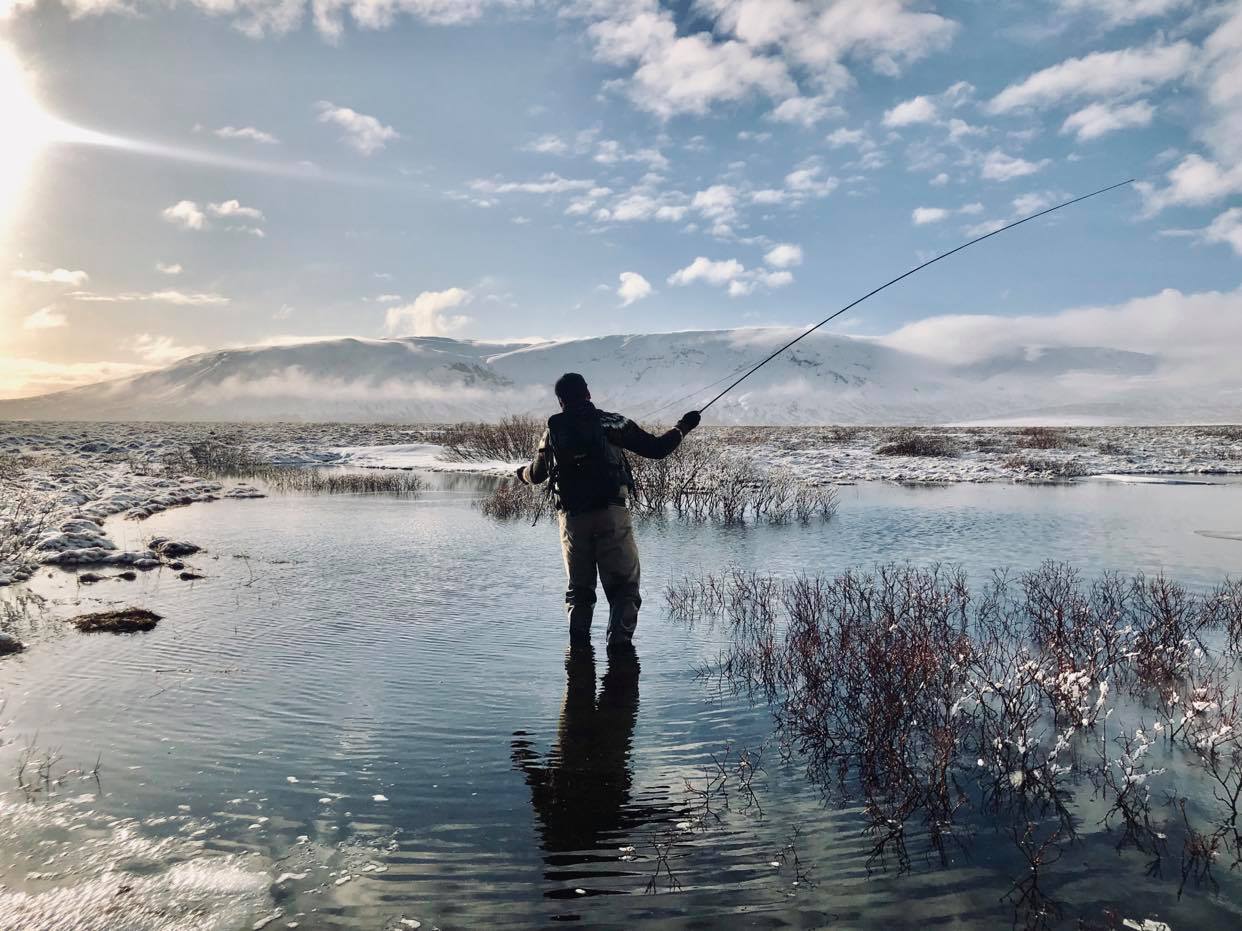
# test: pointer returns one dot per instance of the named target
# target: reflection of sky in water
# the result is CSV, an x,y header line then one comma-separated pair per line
x,y
388,680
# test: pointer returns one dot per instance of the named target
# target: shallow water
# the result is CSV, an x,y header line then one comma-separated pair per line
x,y
387,680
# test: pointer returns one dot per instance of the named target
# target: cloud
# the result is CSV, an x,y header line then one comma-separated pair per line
x,y
426,317
784,255
1227,228
246,132
365,134
46,318
232,208
1099,119
1194,181
1196,334
550,183
997,166
1123,12
1123,73
708,271
185,214
916,110
730,274
924,215
176,298
160,350
805,111
170,269
755,48
634,287
24,378
63,276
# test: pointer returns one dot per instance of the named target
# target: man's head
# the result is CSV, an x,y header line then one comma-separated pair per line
x,y
571,388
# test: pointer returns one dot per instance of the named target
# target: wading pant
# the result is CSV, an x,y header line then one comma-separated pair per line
x,y
601,541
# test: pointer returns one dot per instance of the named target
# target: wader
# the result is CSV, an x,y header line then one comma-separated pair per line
x,y
601,541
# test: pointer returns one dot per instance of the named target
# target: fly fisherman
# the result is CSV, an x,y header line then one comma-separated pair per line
x,y
582,453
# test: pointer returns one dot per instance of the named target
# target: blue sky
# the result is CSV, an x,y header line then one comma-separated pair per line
x,y
209,173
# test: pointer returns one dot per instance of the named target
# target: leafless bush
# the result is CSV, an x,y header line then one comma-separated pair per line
x,y
511,439
1043,438
217,455
930,701
24,514
514,500
910,442
1052,468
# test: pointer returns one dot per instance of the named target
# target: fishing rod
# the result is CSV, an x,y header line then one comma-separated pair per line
x,y
917,268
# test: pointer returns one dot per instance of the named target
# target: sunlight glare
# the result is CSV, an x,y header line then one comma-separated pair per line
x,y
27,129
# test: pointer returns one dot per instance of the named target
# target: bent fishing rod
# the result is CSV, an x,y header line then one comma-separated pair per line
x,y
853,304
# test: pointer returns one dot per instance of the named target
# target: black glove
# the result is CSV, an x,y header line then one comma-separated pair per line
x,y
688,422
518,474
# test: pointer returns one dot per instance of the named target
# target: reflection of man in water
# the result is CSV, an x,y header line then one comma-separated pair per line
x,y
581,790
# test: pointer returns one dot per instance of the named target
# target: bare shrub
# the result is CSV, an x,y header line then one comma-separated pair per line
x,y
1050,468
911,442
217,455
1043,438
514,500
511,439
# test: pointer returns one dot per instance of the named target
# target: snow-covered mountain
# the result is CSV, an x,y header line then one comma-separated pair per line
x,y
824,379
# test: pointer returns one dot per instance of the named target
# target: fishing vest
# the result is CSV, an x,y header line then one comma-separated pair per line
x,y
588,472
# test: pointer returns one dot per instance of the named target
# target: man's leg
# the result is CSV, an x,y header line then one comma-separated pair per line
x,y
616,551
578,548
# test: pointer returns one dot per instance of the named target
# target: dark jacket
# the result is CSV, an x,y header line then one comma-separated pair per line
x,y
621,432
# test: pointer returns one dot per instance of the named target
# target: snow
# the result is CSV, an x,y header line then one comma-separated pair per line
x,y
426,456
826,378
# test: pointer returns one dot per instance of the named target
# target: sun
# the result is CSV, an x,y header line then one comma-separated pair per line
x,y
27,128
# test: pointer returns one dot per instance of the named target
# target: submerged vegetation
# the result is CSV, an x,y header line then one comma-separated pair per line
x,y
943,707
123,621
700,481
228,456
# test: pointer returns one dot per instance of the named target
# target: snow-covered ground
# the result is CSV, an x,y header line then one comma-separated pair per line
x,y
59,481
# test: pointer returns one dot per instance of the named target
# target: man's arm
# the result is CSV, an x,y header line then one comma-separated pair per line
x,y
537,472
630,436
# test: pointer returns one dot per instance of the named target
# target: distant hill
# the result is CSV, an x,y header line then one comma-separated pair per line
x,y
824,379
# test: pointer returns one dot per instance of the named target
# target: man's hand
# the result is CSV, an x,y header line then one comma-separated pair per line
x,y
519,474
688,422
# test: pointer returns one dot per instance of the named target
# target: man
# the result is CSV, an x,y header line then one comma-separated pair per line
x,y
583,454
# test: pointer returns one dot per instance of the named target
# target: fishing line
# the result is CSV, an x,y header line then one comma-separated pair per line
x,y
917,268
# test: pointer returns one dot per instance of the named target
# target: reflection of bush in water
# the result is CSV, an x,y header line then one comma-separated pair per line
x,y
699,482
934,702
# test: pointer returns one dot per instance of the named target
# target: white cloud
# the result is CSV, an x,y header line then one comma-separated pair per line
x,y
1195,333
997,166
807,181
426,315
784,255
924,215
939,180
248,133
805,111
611,152
708,271
232,208
1123,73
75,278
21,378
160,350
550,183
1194,181
169,269
1227,228
916,110
548,144
1099,119
185,214
1123,12
365,134
634,287
46,318
176,298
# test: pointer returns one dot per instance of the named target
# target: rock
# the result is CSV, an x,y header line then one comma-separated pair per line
x,y
146,565
124,621
176,564
171,549
10,644
189,576
89,578
128,575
